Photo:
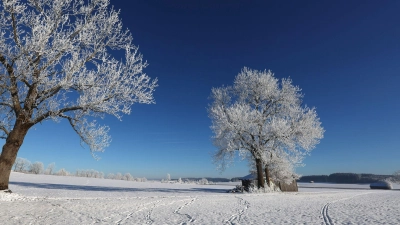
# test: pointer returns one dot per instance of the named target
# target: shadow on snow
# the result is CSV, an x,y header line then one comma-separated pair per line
x,y
115,189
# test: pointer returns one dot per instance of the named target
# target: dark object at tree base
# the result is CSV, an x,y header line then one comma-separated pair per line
x,y
7,191
237,189
292,187
247,184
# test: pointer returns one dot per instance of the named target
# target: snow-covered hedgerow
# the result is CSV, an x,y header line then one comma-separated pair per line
x,y
89,173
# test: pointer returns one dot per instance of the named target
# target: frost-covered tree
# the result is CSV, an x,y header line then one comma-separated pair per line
x,y
168,177
203,181
128,177
62,172
80,173
100,175
92,173
279,168
36,168
21,164
110,176
262,118
50,168
118,176
56,63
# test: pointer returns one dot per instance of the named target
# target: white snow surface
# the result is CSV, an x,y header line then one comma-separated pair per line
x,y
45,199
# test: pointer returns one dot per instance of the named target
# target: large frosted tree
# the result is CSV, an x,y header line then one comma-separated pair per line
x,y
56,63
263,120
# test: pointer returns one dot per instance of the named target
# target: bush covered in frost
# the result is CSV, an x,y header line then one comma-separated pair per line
x,y
266,189
62,172
252,188
203,181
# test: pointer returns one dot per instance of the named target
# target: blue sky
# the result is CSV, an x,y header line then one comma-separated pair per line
x,y
345,55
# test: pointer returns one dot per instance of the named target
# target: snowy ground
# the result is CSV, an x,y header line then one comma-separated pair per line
x,y
43,199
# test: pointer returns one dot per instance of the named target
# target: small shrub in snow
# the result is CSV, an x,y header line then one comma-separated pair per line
x,y
203,181
143,179
167,180
62,172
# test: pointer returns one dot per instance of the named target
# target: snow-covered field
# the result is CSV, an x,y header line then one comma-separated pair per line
x,y
43,199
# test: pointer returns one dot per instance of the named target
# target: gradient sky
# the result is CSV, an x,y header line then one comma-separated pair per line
x,y
345,55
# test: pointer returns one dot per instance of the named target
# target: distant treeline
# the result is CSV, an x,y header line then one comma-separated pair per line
x,y
236,179
345,178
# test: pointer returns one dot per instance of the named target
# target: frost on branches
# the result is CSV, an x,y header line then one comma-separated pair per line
x,y
56,63
263,120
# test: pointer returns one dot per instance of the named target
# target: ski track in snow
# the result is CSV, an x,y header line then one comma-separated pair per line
x,y
243,205
178,211
325,215
325,208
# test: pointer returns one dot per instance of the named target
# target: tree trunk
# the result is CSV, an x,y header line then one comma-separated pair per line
x,y
9,152
267,176
260,174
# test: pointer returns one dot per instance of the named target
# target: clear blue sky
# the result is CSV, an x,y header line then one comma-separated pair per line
x,y
345,55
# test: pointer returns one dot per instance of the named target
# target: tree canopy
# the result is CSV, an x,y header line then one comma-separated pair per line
x,y
264,120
